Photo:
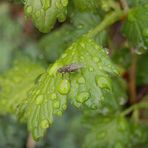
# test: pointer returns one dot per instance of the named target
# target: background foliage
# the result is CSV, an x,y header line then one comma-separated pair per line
x,y
103,103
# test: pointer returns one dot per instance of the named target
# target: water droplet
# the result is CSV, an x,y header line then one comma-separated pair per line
x,y
64,3
53,96
82,97
38,13
44,124
29,10
94,106
59,5
81,80
103,82
76,104
39,99
56,104
91,69
64,107
140,50
46,4
58,113
64,87
101,135
61,17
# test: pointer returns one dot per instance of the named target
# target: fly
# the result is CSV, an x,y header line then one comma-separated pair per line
x,y
70,68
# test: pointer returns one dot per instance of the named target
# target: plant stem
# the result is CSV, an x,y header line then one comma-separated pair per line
x,y
30,142
108,20
135,106
132,78
124,4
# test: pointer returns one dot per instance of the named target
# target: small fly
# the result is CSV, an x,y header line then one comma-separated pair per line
x,y
70,68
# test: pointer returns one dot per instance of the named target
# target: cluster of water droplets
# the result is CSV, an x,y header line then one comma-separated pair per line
x,y
45,12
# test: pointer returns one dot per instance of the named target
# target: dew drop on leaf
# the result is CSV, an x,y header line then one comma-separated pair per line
x,y
38,13
56,104
103,82
63,87
82,97
64,2
44,124
81,80
64,107
46,4
58,113
29,9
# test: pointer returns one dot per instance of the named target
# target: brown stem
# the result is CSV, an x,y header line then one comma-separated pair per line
x,y
124,4
132,78
30,142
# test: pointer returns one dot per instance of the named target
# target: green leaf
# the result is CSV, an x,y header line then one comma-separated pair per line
x,y
66,34
94,5
84,87
115,132
136,28
15,83
44,13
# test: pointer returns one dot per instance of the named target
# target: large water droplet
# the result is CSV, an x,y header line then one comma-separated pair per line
x,y
64,2
63,87
81,80
38,14
104,82
29,10
46,4
58,113
64,107
83,96
44,124
59,5
76,104
39,99
56,104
